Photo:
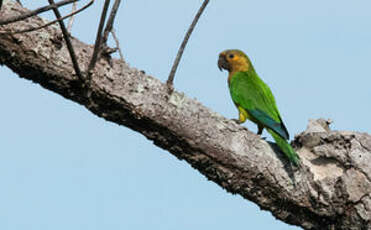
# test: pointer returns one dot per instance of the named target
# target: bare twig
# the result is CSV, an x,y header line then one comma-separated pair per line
x,y
70,22
68,42
98,40
117,44
170,80
35,12
110,21
49,23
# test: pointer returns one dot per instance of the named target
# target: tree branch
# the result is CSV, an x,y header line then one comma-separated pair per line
x,y
28,14
170,80
66,37
70,22
98,40
110,21
49,23
118,47
331,191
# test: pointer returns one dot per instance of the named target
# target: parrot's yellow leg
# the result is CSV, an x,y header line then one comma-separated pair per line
x,y
243,115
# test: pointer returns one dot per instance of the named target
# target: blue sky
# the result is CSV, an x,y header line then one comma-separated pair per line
x,y
62,167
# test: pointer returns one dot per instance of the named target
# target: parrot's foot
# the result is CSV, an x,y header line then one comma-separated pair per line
x,y
237,121
260,130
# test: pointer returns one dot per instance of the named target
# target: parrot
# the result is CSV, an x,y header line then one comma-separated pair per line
x,y
254,99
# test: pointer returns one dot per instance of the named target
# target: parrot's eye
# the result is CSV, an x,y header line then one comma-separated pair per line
x,y
231,56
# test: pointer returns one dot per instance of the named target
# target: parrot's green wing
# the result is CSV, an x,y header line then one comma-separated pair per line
x,y
253,95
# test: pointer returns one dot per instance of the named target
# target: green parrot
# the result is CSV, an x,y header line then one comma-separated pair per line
x,y
254,99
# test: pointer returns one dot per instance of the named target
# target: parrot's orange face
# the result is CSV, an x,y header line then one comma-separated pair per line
x,y
233,61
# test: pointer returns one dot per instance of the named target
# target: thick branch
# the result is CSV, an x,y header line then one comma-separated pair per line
x,y
331,191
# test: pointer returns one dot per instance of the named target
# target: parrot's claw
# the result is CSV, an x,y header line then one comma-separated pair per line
x,y
237,121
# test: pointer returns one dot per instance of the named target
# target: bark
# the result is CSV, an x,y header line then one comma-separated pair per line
x,y
332,189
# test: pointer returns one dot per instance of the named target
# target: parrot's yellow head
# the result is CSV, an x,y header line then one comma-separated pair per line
x,y
234,61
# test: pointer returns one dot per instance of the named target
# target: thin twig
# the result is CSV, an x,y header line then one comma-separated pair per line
x,y
35,12
117,44
170,80
98,40
70,22
49,23
110,21
68,42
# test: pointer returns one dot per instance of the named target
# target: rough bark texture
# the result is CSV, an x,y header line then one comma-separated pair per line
x,y
332,190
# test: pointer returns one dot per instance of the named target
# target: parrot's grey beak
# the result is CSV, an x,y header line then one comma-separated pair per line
x,y
222,63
